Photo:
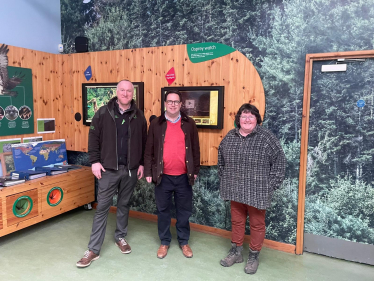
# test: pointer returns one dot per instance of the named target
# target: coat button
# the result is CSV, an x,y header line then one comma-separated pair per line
x,y
160,162
186,147
186,161
190,174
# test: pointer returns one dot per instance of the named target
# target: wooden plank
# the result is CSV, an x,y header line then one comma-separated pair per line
x,y
1,213
11,199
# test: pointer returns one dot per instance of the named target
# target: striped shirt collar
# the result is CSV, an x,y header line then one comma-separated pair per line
x,y
175,121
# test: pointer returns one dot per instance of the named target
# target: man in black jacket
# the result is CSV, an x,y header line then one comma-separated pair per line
x,y
116,144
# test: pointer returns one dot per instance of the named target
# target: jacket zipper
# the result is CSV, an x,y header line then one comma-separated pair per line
x,y
128,145
116,136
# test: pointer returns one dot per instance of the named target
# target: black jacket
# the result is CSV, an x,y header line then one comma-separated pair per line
x,y
153,157
102,137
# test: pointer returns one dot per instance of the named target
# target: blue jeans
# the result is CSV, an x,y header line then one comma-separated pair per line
x,y
179,186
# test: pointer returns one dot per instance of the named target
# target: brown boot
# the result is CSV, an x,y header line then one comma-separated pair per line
x,y
186,250
162,251
252,262
234,256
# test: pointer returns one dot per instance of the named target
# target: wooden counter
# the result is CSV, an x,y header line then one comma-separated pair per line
x,y
36,200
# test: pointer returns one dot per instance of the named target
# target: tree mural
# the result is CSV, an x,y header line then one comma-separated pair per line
x,y
275,35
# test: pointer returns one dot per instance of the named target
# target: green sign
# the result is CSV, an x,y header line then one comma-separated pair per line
x,y
16,104
207,51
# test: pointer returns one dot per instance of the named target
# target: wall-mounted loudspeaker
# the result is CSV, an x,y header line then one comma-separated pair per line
x,y
78,116
81,44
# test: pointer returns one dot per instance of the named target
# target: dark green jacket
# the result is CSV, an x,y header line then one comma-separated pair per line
x,y
153,158
102,137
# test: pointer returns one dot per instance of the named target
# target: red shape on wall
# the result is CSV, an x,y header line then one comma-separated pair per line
x,y
170,76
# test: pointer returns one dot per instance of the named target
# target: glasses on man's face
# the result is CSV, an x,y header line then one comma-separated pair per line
x,y
175,102
251,117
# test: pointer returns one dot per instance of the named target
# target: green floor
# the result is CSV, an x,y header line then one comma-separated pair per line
x,y
49,251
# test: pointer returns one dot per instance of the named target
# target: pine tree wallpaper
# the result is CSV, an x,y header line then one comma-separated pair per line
x,y
275,36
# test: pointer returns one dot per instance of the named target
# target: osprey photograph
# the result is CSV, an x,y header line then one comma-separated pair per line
x,y
6,83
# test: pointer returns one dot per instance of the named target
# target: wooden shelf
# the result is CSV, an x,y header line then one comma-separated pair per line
x,y
76,188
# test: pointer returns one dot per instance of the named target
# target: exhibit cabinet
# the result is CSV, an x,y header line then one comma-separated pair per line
x,y
36,200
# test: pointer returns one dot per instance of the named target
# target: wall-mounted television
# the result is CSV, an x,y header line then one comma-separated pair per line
x,y
204,104
95,95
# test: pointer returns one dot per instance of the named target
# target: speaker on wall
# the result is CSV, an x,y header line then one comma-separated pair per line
x,y
81,44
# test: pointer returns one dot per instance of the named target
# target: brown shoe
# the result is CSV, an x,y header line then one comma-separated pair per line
x,y
88,257
187,252
123,246
162,251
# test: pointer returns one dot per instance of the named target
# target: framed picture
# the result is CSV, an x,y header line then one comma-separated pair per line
x,y
95,95
203,104
7,163
46,125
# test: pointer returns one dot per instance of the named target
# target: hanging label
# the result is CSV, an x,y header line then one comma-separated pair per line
x,y
170,76
207,51
88,73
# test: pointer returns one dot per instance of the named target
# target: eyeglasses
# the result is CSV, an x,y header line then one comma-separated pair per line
x,y
251,117
175,102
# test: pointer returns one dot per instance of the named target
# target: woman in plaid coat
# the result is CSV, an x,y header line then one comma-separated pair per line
x,y
251,165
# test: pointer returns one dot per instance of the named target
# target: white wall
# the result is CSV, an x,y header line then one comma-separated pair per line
x,y
31,24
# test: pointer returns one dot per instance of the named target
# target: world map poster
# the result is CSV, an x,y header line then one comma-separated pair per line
x,y
36,154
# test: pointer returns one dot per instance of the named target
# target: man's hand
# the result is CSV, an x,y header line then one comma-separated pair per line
x,y
149,179
195,176
140,172
96,170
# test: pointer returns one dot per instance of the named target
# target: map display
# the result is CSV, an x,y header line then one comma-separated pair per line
x,y
36,154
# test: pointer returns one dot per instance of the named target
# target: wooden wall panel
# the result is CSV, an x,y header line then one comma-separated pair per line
x,y
10,200
1,214
57,87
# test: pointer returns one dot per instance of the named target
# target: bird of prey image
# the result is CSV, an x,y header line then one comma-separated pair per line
x,y
6,83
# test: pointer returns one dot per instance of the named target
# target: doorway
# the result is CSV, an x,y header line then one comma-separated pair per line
x,y
338,176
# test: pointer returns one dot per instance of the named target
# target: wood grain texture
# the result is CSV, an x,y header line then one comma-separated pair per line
x,y
57,89
1,214
11,199
78,187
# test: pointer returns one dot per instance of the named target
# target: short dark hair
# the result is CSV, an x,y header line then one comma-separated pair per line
x,y
247,108
173,91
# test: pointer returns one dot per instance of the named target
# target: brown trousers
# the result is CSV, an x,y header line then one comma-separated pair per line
x,y
239,213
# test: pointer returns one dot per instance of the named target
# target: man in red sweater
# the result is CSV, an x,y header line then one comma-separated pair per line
x,y
172,162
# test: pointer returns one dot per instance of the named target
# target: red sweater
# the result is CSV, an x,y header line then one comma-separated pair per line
x,y
174,150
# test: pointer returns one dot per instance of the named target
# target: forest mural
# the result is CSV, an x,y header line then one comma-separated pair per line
x,y
275,36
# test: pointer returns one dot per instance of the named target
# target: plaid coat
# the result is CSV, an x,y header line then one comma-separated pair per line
x,y
250,168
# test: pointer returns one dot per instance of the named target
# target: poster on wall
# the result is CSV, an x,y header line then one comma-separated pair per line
x,y
32,139
199,52
16,98
46,125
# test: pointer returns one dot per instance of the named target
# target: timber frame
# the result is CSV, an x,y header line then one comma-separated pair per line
x,y
310,58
